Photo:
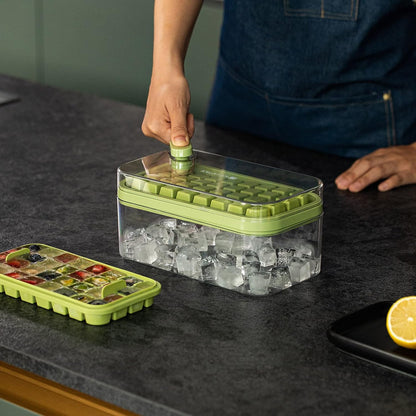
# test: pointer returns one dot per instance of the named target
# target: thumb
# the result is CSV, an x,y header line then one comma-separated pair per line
x,y
178,127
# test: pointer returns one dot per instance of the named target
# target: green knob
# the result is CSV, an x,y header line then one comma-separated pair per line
x,y
181,166
181,158
180,152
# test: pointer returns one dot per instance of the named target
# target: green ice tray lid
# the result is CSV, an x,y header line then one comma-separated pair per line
x,y
224,193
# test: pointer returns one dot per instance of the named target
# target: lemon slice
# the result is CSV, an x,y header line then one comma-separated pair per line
x,y
401,322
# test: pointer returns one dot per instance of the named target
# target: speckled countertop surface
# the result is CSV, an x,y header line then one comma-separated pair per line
x,y
199,349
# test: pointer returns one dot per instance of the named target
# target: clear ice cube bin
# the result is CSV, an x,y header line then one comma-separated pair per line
x,y
242,226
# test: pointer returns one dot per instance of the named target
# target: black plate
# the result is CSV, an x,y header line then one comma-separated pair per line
x,y
364,334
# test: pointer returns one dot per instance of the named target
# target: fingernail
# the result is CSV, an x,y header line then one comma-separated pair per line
x,y
180,141
383,187
341,183
355,187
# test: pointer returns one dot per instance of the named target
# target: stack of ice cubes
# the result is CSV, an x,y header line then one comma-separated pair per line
x,y
247,264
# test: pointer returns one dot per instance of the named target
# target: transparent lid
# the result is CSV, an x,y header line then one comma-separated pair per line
x,y
224,187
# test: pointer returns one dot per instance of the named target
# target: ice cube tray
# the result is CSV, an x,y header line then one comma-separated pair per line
x,y
72,285
223,193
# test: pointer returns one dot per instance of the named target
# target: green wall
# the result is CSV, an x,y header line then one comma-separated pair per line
x,y
100,46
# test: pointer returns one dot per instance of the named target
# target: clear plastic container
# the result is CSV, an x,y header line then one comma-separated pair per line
x,y
247,227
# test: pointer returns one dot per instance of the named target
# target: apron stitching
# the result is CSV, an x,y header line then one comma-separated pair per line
x,y
388,128
321,105
357,4
393,124
302,12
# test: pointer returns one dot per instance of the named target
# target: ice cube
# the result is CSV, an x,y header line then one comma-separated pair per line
x,y
209,272
226,259
146,252
241,243
188,262
229,277
131,239
224,241
280,278
301,247
5,268
165,256
305,248
284,256
65,291
257,242
208,257
81,287
163,264
267,256
259,283
249,263
187,227
50,285
210,234
299,269
81,263
198,240
169,223
160,234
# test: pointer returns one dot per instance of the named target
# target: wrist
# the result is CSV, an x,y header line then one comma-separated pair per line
x,y
165,65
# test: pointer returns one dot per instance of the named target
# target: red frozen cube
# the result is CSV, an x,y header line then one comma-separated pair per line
x,y
97,269
80,274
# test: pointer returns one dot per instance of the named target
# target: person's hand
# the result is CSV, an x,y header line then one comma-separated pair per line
x,y
396,165
167,116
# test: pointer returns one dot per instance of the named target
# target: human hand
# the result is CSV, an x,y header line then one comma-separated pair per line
x,y
396,164
167,116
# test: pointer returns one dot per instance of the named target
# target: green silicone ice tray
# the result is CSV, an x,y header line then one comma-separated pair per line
x,y
72,285
219,193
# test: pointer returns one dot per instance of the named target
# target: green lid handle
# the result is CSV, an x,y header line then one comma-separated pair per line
x,y
113,287
181,158
17,253
180,152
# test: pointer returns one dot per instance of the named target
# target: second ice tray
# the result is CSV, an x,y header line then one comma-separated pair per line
x,y
72,285
230,200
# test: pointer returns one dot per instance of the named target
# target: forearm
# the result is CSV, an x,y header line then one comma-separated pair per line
x,y
174,21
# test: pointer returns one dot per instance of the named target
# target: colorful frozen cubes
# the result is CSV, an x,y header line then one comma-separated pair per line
x,y
50,286
80,274
81,287
18,263
66,280
66,291
66,257
98,280
32,280
66,269
49,274
97,269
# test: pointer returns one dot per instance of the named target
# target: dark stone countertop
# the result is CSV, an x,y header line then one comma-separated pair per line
x,y
199,349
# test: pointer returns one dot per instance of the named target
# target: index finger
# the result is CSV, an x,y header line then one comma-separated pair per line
x,y
356,170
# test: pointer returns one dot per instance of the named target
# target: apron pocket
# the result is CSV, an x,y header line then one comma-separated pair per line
x,y
352,127
334,9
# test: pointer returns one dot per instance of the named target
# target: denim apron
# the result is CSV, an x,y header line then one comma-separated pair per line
x,y
338,76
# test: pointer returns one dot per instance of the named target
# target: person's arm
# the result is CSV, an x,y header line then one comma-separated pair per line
x,y
167,114
396,165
